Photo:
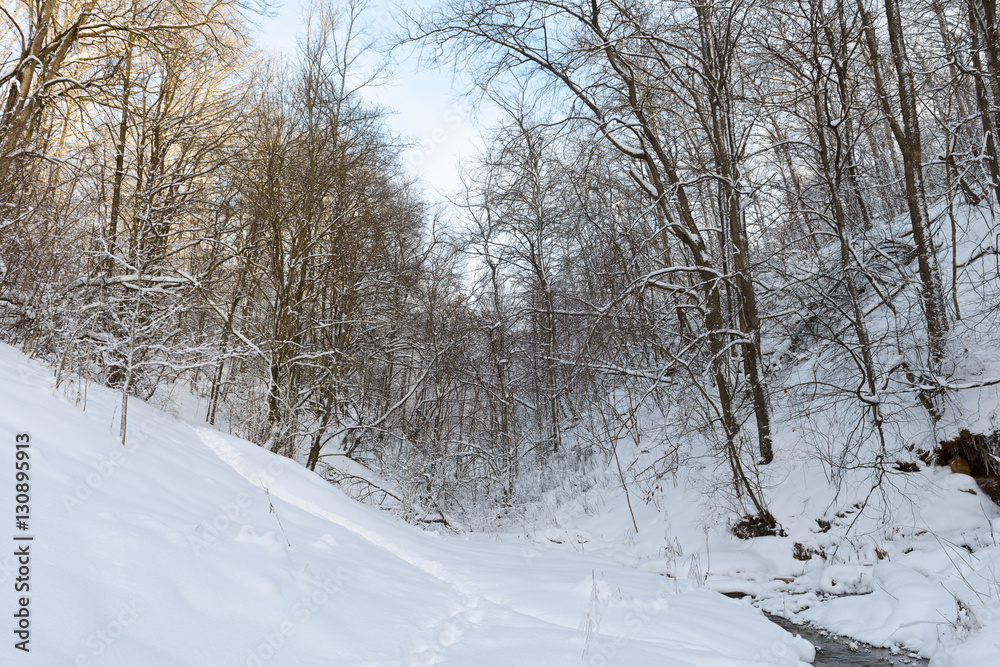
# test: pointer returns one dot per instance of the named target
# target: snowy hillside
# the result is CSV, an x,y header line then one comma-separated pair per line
x,y
703,352
189,547
916,570
881,545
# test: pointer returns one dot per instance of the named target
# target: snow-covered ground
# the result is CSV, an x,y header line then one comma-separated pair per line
x,y
904,560
186,546
919,577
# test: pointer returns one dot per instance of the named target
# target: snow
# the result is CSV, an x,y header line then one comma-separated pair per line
x,y
187,546
909,561
926,594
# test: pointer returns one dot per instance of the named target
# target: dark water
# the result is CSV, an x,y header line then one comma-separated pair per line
x,y
833,651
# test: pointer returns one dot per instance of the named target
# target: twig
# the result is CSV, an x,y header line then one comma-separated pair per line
x,y
271,505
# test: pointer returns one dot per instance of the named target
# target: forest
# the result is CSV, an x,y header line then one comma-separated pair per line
x,y
716,304
695,223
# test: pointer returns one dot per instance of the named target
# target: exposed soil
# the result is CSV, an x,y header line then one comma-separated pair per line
x,y
974,454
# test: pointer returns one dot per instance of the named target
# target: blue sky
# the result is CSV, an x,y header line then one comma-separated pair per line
x,y
431,112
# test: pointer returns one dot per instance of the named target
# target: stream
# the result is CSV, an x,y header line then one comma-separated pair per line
x,y
834,651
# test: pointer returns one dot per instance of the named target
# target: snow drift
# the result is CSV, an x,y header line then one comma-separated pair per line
x,y
188,547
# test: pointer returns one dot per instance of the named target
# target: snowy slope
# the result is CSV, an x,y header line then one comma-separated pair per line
x,y
906,560
189,547
917,569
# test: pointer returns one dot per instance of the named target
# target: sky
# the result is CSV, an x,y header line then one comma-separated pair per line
x,y
431,113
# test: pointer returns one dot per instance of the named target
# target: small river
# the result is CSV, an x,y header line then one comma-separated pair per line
x,y
834,651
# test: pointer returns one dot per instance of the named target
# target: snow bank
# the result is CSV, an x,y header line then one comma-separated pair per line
x,y
188,547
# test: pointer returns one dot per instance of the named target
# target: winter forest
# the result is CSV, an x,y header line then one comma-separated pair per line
x,y
720,291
